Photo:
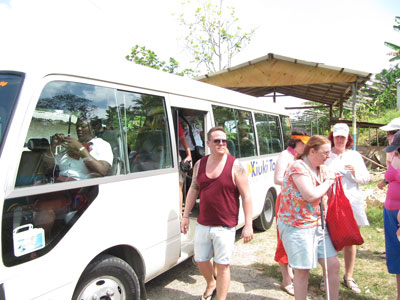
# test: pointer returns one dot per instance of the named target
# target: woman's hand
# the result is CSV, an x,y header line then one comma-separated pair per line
x,y
71,144
350,168
57,139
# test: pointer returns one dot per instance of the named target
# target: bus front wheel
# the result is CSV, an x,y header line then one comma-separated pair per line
x,y
266,218
108,277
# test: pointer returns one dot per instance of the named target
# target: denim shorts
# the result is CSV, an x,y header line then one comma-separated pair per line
x,y
304,246
217,242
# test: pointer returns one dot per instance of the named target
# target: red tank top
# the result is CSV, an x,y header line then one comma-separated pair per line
x,y
219,197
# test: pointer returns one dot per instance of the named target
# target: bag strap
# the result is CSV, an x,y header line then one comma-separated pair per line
x,y
339,184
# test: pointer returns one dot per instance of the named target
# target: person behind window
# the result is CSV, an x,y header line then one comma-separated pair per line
x,y
247,147
89,156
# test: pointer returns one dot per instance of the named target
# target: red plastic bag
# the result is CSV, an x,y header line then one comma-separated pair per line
x,y
342,227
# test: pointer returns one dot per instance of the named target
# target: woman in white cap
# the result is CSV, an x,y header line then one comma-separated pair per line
x,y
350,164
391,129
391,212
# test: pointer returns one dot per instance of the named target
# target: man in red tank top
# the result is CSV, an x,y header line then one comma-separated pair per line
x,y
219,179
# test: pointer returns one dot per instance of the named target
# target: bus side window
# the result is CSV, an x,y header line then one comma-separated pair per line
x,y
83,115
268,131
149,151
147,131
114,138
276,139
239,130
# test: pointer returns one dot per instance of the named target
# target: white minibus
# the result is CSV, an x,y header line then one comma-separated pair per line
x,y
90,193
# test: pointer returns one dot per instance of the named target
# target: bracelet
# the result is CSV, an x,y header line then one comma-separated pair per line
x,y
185,217
81,149
385,181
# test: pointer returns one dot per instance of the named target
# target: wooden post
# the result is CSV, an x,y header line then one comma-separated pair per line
x,y
354,117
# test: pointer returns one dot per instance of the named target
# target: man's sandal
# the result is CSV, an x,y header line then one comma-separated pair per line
x,y
209,297
352,285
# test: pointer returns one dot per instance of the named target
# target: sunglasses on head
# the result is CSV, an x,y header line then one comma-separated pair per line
x,y
393,132
219,141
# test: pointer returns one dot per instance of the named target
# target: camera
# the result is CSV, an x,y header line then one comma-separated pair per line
x,y
185,166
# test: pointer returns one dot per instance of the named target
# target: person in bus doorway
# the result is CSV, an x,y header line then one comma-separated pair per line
x,y
295,148
185,165
306,183
193,131
351,166
391,211
219,179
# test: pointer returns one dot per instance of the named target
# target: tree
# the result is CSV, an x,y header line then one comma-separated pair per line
x,y
212,34
396,52
146,57
382,92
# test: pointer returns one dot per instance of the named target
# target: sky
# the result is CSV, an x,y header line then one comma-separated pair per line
x,y
342,33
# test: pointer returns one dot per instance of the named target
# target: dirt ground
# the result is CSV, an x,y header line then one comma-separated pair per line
x,y
248,280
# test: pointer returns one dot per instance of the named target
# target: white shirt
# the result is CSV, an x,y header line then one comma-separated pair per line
x,y
76,168
285,159
350,183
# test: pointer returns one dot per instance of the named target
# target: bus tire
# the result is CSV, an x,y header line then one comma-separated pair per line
x,y
108,277
266,218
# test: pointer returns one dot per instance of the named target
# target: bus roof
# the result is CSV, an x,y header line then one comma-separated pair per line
x,y
134,75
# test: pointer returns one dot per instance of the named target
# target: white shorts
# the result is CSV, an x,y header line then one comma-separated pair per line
x,y
304,246
217,240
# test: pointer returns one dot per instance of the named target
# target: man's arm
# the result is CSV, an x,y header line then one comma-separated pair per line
x,y
190,199
242,183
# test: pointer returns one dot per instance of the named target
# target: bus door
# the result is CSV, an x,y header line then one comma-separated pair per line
x,y
190,127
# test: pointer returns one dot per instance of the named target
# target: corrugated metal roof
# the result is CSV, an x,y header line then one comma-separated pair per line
x,y
292,77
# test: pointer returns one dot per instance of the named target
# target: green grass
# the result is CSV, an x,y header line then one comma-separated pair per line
x,y
375,217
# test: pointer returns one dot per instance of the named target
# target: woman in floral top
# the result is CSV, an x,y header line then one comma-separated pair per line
x,y
305,184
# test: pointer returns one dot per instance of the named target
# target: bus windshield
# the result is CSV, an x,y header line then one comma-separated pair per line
x,y
10,85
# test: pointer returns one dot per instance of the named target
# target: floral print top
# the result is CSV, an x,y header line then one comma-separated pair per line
x,y
294,210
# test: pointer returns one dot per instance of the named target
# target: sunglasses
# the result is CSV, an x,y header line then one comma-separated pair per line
x,y
219,141
393,132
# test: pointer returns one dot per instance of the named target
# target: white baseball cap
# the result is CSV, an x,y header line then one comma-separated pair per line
x,y
393,125
340,129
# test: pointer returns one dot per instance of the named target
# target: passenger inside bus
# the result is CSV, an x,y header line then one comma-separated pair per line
x,y
87,157
247,146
